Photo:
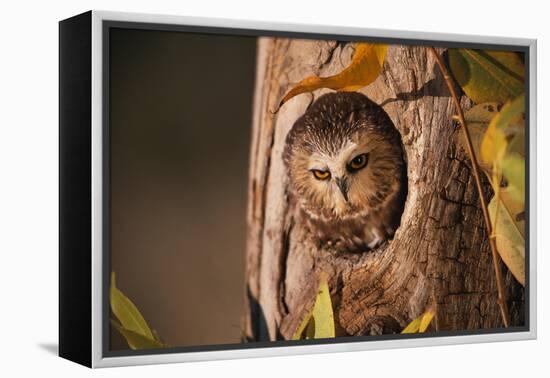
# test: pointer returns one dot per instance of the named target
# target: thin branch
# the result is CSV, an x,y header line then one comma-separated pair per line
x,y
496,259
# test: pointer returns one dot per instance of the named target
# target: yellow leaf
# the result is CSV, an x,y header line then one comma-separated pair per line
x,y
488,75
322,313
426,320
413,326
503,148
364,68
493,147
303,324
516,143
477,121
420,324
509,232
503,128
127,313
320,320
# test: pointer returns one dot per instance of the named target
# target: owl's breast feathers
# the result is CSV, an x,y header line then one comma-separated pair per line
x,y
359,231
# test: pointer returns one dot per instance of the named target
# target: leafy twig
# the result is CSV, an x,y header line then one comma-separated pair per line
x,y
450,85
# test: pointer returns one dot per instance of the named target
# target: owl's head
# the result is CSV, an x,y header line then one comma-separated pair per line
x,y
344,156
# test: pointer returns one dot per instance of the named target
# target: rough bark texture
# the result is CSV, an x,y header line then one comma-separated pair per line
x,y
439,255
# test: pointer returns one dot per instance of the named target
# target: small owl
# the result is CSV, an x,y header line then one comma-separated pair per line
x,y
347,173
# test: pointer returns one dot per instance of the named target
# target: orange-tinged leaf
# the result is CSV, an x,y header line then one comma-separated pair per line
x,y
364,68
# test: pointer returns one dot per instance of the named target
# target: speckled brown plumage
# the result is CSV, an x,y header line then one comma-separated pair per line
x,y
347,172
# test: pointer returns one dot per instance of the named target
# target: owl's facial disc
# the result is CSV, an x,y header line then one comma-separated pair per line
x,y
335,173
344,157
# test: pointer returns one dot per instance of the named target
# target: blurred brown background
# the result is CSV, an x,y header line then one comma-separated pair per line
x,y
181,108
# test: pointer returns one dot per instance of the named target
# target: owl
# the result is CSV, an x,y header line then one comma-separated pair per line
x,y
347,173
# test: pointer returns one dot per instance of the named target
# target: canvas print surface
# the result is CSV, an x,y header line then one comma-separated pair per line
x,y
275,191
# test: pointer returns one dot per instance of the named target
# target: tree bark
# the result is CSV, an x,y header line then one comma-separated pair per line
x,y
438,257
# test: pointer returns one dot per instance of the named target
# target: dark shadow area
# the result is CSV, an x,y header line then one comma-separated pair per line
x,y
433,88
259,324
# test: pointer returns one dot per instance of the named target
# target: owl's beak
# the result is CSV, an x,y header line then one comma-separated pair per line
x,y
343,186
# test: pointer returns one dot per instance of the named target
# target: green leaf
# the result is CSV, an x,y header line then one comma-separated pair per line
x,y
127,313
513,169
487,76
509,232
135,340
420,324
320,320
477,121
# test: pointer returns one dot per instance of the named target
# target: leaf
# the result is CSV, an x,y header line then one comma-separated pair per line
x,y
132,326
320,320
488,75
322,313
517,142
509,232
513,169
425,322
303,324
503,147
477,121
420,324
504,127
364,68
136,340
127,313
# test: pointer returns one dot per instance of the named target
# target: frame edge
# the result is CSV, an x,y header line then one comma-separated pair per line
x,y
98,360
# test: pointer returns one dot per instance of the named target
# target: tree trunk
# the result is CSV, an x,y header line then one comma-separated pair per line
x,y
438,257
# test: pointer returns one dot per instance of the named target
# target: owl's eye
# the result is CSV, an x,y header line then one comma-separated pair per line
x,y
320,175
358,162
